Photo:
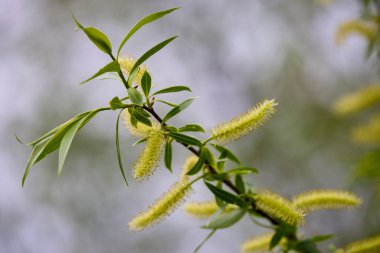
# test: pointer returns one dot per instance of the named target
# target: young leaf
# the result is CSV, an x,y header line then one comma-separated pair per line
x,y
149,53
110,67
141,117
226,196
146,20
116,103
182,106
239,182
172,89
225,220
146,83
168,156
118,148
226,153
96,36
66,143
36,152
167,103
198,165
191,128
188,140
135,96
280,232
242,170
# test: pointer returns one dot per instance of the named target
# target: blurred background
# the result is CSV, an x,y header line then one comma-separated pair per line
x,y
232,54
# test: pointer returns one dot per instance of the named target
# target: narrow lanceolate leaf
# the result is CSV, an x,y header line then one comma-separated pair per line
x,y
135,96
226,153
96,36
149,53
242,170
119,159
198,165
173,89
141,117
110,67
188,140
36,152
66,143
53,131
146,20
191,128
276,239
226,196
168,156
225,220
239,182
182,106
146,83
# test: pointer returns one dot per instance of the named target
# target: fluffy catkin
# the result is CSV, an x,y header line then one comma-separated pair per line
x,y
163,206
358,100
257,244
126,64
244,123
148,160
325,199
204,210
141,130
368,30
369,132
370,245
279,208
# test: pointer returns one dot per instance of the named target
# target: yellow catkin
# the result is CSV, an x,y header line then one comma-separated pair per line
x,y
163,206
358,100
368,133
370,245
368,30
204,210
244,123
141,130
280,208
126,64
325,199
257,244
150,156
187,166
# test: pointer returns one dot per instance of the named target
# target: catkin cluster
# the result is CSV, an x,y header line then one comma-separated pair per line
x,y
126,64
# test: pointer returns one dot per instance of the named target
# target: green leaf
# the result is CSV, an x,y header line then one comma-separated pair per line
x,y
135,96
36,152
53,131
320,238
239,182
168,156
141,117
132,76
191,128
226,153
242,170
110,67
209,157
280,232
172,89
66,143
149,53
166,102
146,83
182,106
198,165
109,75
307,246
140,141
226,196
119,159
225,220
146,20
188,140
204,240
96,36
116,103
